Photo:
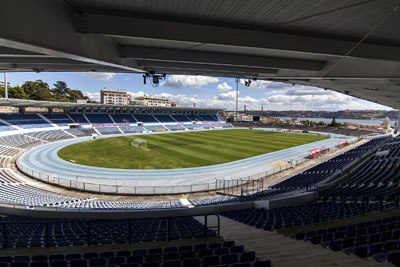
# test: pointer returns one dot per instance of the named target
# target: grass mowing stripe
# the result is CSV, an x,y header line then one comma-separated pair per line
x,y
208,145
237,147
171,146
205,150
190,147
181,155
270,135
184,149
261,143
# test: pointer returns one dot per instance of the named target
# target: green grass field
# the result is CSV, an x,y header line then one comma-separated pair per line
x,y
182,150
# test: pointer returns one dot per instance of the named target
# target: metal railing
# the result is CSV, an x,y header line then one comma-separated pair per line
x,y
80,182
115,186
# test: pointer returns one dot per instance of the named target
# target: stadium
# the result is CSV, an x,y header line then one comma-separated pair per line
x,y
89,184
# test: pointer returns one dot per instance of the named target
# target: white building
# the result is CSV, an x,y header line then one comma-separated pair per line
x,y
386,123
115,97
153,101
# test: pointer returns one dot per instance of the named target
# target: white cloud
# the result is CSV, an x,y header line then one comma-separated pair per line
x,y
182,81
227,96
307,90
248,99
135,94
301,97
224,87
93,96
102,76
180,99
278,96
261,84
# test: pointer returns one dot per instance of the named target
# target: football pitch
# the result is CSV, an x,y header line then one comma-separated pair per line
x,y
183,149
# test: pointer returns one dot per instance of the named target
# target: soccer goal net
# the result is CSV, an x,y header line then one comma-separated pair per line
x,y
138,143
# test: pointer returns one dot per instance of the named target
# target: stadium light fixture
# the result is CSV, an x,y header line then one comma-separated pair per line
x,y
153,77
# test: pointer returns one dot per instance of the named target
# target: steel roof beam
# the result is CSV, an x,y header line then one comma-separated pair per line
x,y
203,57
148,64
119,26
47,27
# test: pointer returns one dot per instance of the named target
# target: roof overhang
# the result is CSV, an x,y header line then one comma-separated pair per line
x,y
25,103
347,46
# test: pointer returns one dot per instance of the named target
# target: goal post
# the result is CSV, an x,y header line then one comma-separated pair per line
x,y
138,143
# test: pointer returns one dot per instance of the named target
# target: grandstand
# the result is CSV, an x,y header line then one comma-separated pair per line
x,y
359,181
338,209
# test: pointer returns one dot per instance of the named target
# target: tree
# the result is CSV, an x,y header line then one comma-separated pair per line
x,y
37,90
17,92
75,95
334,123
60,89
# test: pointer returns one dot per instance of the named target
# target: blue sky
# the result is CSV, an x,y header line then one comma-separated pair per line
x,y
206,91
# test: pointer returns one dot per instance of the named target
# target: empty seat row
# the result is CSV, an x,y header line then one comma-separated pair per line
x,y
224,254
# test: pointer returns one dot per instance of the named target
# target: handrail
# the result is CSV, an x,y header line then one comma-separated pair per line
x,y
81,182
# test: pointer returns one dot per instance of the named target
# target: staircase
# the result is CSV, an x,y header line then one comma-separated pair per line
x,y
284,251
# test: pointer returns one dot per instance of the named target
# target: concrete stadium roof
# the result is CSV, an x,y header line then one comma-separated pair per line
x,y
351,46
24,103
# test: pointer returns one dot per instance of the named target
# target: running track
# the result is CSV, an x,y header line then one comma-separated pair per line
x,y
43,159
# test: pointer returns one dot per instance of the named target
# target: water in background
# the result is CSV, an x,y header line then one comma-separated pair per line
x,y
329,120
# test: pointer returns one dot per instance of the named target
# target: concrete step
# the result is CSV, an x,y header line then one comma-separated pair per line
x,y
284,251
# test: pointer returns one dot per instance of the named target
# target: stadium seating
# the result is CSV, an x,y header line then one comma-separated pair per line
x,y
50,135
181,118
193,126
35,121
5,127
208,117
212,200
377,238
79,118
175,127
23,194
303,214
18,140
376,178
146,118
8,151
35,232
25,121
370,187
132,129
115,205
193,117
206,125
123,118
6,177
154,127
99,118
29,196
14,191
186,255
221,125
108,130
164,118
61,119
311,177
76,132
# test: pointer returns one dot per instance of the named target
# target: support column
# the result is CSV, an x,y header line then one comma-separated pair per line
x,y
5,85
